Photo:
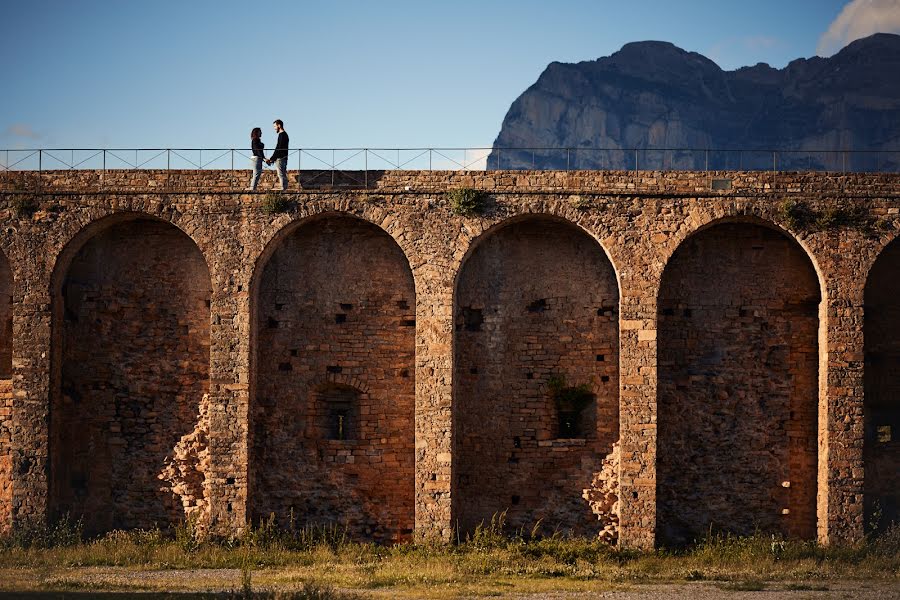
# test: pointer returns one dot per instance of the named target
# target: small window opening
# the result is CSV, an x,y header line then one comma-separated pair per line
x,y
568,424
538,306
340,318
272,323
345,306
339,410
515,500
402,304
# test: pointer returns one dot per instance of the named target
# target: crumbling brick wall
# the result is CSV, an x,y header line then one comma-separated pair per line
x,y
536,299
334,403
882,386
132,320
738,364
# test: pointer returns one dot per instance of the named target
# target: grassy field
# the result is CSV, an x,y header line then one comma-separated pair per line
x,y
323,563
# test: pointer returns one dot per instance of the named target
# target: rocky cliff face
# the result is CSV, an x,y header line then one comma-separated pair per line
x,y
652,96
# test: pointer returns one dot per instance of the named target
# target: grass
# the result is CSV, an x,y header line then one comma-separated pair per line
x,y
324,561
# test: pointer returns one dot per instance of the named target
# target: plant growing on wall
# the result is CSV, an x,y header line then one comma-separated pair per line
x,y
274,203
467,202
570,401
799,216
24,206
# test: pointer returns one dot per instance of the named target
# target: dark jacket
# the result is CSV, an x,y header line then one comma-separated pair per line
x,y
281,148
257,147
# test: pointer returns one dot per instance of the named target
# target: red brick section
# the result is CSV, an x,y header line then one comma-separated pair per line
x,y
882,386
536,299
738,365
334,404
132,318
640,219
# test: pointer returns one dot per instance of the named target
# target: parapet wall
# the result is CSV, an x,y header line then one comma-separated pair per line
x,y
375,361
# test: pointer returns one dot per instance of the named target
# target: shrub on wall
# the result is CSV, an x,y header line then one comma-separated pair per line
x,y
275,203
467,202
24,206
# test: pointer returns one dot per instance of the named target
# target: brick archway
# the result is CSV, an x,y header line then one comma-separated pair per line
x,y
881,447
334,309
130,370
536,299
738,368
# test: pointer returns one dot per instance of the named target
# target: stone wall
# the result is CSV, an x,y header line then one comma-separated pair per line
x,y
882,405
132,320
645,223
738,366
6,394
334,406
536,299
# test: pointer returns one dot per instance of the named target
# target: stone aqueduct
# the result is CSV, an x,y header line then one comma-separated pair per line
x,y
367,357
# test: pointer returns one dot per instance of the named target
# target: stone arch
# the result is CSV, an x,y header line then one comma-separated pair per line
x,y
738,367
130,363
333,304
881,406
6,391
535,298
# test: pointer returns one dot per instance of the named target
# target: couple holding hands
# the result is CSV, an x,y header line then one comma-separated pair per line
x,y
279,157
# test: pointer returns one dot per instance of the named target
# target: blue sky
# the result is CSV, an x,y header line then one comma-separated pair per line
x,y
199,73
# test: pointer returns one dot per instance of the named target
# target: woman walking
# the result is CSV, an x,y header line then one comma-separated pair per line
x,y
257,146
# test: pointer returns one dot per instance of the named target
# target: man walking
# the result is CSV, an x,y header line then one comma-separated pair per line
x,y
280,156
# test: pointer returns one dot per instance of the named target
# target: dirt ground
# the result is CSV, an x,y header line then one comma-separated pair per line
x,y
114,583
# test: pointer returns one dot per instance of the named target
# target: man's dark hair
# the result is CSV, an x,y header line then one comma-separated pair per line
x,y
279,122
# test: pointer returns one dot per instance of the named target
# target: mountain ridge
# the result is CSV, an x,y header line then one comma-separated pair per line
x,y
653,94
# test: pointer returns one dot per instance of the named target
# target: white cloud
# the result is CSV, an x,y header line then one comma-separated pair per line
x,y
21,130
859,19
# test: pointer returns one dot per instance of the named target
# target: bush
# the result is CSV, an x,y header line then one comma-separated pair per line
x,y
24,206
273,204
467,202
39,534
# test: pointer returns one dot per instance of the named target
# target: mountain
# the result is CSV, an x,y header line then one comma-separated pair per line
x,y
651,96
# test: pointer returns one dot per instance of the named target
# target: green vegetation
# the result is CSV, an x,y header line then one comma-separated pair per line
x,y
275,203
24,206
800,216
467,202
304,562
573,397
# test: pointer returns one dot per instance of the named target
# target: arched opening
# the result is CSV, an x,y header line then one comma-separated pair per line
x,y
738,386
6,392
881,448
131,367
536,355
334,403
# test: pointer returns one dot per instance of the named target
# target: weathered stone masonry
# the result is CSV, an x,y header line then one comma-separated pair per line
x,y
739,353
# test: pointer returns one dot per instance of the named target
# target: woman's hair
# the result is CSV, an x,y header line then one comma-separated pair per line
x,y
255,132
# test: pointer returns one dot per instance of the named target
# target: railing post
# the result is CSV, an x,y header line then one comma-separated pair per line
x,y
567,159
332,167
707,160
429,159
232,169
366,166
635,160
40,162
498,158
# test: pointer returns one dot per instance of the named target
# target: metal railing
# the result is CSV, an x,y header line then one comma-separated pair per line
x,y
364,160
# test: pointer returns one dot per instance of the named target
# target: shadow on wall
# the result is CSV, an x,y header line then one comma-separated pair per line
x,y
738,386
